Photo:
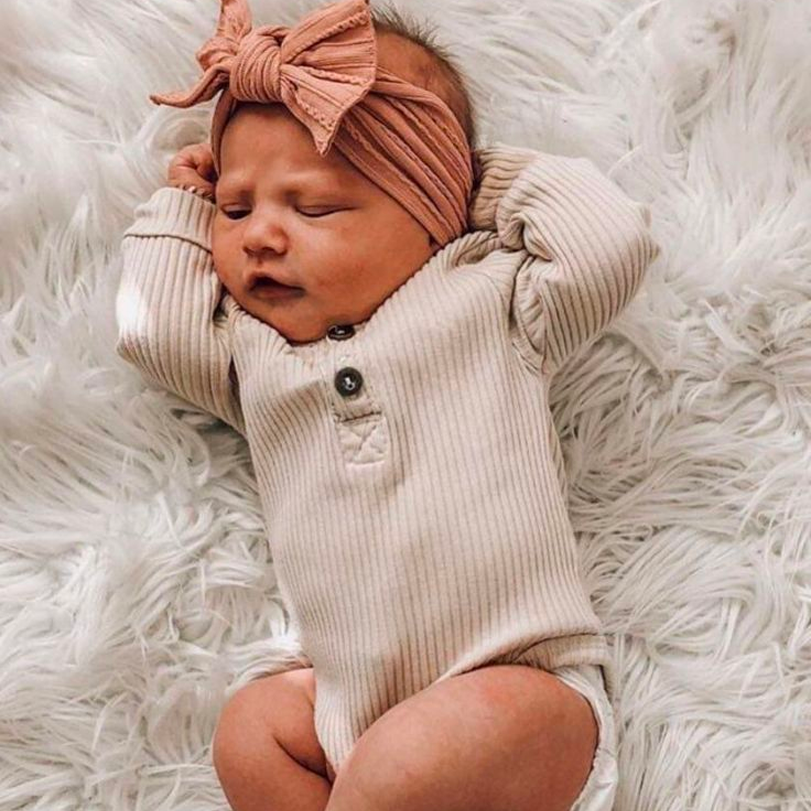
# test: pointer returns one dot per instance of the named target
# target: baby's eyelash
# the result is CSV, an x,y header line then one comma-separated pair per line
x,y
303,214
322,214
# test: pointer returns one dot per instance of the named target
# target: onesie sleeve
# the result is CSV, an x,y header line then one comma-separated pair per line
x,y
589,244
167,307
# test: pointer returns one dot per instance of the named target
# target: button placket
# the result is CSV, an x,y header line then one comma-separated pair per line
x,y
350,392
360,422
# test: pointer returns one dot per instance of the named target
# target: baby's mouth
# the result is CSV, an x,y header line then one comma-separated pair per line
x,y
266,287
257,278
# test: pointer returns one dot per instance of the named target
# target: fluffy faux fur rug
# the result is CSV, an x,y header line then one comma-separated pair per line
x,y
137,590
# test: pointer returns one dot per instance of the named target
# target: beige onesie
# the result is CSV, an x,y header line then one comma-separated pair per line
x,y
410,476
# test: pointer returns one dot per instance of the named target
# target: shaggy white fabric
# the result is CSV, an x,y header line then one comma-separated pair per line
x,y
136,587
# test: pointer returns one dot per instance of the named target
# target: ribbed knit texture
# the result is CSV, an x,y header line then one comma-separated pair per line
x,y
418,527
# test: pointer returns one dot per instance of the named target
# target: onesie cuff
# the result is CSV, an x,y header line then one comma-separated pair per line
x,y
500,165
173,212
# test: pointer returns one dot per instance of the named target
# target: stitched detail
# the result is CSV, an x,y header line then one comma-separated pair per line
x,y
364,439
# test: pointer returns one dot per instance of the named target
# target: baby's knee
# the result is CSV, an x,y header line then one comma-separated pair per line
x,y
264,745
242,740
268,720
395,765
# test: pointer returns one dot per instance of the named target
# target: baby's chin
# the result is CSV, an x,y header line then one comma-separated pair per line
x,y
299,333
296,328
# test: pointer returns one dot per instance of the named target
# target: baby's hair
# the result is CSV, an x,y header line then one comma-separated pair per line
x,y
438,73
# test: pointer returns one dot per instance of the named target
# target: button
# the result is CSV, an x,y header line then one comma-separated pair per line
x,y
348,381
340,332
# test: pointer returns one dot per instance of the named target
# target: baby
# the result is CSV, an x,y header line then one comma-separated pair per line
x,y
381,320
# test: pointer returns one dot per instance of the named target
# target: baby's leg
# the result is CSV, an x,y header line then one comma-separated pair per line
x,y
265,750
503,737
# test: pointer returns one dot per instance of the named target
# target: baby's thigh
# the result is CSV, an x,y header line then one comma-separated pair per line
x,y
266,714
501,736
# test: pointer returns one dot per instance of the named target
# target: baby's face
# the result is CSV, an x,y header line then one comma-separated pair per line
x,y
312,222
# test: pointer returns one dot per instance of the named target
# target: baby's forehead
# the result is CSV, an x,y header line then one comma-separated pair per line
x,y
293,161
257,134
299,175
300,171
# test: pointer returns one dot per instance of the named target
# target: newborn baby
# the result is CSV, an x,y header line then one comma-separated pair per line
x,y
384,341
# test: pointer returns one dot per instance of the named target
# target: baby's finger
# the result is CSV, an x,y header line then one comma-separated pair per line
x,y
205,190
185,175
198,156
206,165
185,179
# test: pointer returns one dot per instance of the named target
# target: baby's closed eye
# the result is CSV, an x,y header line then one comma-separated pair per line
x,y
236,214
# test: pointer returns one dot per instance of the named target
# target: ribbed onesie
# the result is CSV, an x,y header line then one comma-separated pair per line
x,y
410,476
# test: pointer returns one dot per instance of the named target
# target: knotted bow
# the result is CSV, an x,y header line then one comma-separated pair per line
x,y
402,137
318,70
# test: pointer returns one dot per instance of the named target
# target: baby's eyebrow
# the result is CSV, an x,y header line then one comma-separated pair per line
x,y
295,183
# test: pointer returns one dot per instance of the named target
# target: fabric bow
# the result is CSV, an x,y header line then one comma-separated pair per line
x,y
319,69
402,137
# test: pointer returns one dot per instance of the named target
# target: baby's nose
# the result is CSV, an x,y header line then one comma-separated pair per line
x,y
264,235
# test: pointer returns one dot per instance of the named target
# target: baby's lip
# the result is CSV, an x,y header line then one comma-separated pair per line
x,y
268,288
267,280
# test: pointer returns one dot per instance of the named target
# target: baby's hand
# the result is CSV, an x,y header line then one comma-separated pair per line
x,y
193,169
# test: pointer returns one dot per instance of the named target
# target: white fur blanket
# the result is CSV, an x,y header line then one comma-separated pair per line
x,y
137,590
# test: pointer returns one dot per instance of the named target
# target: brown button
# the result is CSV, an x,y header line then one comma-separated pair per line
x,y
340,332
348,381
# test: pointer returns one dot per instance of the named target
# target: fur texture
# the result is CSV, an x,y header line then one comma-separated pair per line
x,y
136,586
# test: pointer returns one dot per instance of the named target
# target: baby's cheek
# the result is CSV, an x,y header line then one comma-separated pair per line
x,y
220,274
217,261
220,253
216,237
222,268
338,293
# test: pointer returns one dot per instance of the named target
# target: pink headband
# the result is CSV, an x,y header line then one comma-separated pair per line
x,y
324,70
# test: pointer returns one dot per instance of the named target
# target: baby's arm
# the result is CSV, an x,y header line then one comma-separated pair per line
x,y
590,242
167,304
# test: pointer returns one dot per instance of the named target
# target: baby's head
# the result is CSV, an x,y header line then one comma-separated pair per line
x,y
315,222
